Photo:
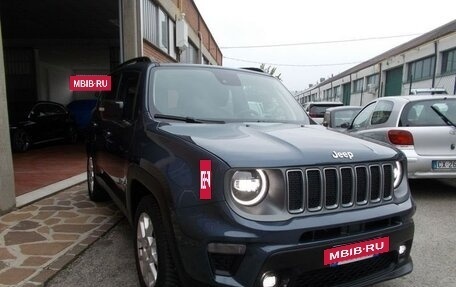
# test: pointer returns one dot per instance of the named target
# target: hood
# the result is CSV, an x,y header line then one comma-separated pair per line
x,y
278,144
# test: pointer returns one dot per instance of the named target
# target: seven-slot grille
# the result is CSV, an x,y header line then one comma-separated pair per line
x,y
330,188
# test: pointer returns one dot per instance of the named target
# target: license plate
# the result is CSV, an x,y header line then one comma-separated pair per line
x,y
444,164
355,251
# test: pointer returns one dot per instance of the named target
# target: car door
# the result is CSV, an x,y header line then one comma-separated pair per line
x,y
117,131
376,120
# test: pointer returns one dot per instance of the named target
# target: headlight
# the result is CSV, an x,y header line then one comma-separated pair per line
x,y
249,187
398,174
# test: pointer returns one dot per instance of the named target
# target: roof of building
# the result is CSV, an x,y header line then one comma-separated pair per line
x,y
420,40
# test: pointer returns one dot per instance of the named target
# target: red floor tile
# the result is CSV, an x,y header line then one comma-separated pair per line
x,y
42,166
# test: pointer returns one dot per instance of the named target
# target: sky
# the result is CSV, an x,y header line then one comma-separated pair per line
x,y
240,23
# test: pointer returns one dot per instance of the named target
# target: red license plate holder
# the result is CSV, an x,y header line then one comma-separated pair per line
x,y
352,252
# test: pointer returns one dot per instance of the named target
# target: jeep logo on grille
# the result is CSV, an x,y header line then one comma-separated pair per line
x,y
342,154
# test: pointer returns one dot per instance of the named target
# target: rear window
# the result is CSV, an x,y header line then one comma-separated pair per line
x,y
318,111
421,114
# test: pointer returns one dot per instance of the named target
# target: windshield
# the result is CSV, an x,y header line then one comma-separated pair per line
x,y
222,94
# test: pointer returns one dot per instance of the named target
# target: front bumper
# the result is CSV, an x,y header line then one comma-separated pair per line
x,y
293,250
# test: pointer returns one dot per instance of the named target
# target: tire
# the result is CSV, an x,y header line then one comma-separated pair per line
x,y
154,263
21,141
96,192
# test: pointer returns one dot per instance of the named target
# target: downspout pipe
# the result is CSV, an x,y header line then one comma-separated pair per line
x,y
435,63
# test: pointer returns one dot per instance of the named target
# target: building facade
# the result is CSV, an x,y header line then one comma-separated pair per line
x,y
57,39
428,61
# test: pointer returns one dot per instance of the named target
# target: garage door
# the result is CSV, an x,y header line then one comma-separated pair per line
x,y
393,86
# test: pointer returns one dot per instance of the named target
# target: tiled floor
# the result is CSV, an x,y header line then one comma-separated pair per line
x,y
40,239
43,166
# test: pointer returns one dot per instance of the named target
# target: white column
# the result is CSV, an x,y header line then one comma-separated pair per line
x,y
129,29
7,195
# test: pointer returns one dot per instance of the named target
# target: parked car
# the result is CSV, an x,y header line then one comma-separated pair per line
x,y
81,112
339,118
39,123
226,184
428,91
316,110
422,127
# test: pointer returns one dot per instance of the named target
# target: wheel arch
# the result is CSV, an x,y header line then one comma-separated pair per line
x,y
143,183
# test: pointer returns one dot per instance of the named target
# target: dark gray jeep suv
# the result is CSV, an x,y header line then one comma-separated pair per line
x,y
226,183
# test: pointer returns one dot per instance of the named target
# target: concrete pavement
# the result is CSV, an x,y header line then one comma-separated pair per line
x,y
40,239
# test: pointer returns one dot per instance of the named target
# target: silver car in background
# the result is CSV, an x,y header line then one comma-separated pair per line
x,y
423,127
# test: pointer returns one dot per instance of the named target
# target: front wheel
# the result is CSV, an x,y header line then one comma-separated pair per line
x,y
153,258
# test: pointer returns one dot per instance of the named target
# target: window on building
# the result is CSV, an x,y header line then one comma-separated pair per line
x,y
190,55
449,61
172,40
158,28
421,69
150,21
372,80
358,86
327,94
163,31
338,92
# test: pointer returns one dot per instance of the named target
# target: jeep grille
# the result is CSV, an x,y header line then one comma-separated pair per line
x,y
313,189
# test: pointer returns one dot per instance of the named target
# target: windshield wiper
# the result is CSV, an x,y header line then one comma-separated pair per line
x,y
186,119
443,117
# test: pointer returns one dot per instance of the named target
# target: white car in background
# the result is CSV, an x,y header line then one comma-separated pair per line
x,y
423,127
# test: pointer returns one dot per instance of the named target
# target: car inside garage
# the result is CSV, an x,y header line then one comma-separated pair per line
x,y
44,43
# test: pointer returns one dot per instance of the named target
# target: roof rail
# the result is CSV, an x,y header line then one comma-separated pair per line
x,y
133,61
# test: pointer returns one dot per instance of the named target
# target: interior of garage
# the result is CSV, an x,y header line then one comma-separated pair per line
x,y
44,43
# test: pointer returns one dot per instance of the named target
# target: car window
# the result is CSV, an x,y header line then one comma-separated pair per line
x,y
127,93
362,119
222,94
317,111
108,98
344,116
381,112
421,114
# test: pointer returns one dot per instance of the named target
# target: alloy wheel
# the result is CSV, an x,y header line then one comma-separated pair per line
x,y
147,250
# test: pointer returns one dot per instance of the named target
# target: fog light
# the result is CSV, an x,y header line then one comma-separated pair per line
x,y
402,249
269,279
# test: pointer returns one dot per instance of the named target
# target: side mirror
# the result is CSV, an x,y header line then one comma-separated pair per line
x,y
32,115
345,125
